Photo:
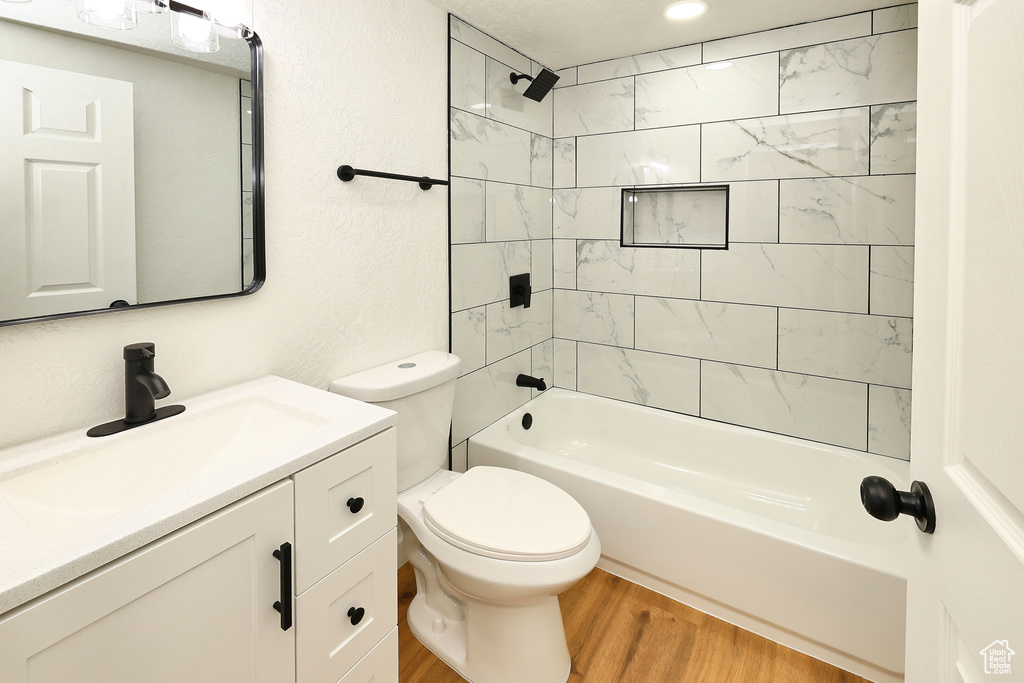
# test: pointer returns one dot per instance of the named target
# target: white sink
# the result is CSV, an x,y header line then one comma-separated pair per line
x,y
106,475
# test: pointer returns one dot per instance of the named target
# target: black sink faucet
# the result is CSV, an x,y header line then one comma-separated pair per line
x,y
532,382
142,387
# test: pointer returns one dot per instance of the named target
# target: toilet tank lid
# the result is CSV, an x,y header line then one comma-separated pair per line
x,y
399,379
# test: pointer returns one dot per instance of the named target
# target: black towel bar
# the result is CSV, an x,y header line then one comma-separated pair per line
x,y
347,173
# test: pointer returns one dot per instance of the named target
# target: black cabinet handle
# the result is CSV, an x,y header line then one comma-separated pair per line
x,y
284,605
882,501
355,504
355,614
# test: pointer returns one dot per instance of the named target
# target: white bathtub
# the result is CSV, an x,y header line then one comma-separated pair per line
x,y
764,531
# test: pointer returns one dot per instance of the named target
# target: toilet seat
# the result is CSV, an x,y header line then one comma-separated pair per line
x,y
508,515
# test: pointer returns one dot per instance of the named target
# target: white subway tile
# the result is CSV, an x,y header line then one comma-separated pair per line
x,y
892,281
889,422
895,18
894,138
587,213
754,211
649,379
564,171
594,317
829,143
826,31
860,348
517,212
639,64
467,212
643,157
488,149
565,364
541,161
732,333
565,264
469,338
824,277
566,77
861,210
826,410
746,88
468,79
602,107
605,266
541,273
851,73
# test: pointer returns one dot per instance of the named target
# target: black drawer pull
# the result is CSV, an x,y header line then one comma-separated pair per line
x,y
355,504
355,614
284,605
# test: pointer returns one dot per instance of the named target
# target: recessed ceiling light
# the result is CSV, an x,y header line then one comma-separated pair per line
x,y
686,10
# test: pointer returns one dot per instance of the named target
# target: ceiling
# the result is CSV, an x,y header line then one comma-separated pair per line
x,y
562,33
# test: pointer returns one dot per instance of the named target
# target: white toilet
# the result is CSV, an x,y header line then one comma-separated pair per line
x,y
491,548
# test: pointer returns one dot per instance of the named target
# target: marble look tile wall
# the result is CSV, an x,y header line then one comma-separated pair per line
x,y
804,325
503,158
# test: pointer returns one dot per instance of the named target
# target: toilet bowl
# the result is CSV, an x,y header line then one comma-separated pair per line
x,y
491,548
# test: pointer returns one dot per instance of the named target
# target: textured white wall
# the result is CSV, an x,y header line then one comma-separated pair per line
x,y
357,272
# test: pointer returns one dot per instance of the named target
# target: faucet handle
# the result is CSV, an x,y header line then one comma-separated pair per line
x,y
140,351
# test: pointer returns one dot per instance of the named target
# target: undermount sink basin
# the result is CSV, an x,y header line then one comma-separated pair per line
x,y
104,477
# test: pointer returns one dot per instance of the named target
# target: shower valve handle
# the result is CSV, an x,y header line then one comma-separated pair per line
x,y
882,501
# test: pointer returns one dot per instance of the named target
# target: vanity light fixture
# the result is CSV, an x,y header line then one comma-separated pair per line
x,y
192,28
690,9
194,33
150,6
115,15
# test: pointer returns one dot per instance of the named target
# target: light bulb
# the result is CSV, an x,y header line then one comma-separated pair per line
x,y
194,29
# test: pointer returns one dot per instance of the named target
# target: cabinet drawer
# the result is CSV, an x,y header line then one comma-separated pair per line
x,y
327,643
329,530
380,666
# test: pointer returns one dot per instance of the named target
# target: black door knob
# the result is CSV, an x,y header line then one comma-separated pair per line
x,y
355,504
882,501
355,614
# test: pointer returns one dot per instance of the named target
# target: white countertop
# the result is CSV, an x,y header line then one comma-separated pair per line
x,y
30,566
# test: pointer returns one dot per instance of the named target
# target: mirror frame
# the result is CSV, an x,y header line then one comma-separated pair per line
x,y
259,258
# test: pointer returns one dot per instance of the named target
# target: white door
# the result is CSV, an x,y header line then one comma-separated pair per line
x,y
195,607
67,191
966,589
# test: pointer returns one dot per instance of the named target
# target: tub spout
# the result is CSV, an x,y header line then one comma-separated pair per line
x,y
532,382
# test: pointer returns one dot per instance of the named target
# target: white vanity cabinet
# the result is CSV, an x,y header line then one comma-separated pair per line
x,y
198,605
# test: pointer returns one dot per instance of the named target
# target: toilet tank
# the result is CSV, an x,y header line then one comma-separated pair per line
x,y
421,389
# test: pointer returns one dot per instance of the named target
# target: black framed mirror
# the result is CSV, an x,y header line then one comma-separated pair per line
x,y
131,163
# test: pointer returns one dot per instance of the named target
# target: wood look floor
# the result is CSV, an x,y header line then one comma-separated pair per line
x,y
621,632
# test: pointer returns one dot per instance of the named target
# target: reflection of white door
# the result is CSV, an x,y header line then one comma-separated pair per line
x,y
67,191
966,589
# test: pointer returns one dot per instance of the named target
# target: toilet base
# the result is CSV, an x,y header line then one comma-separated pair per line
x,y
506,644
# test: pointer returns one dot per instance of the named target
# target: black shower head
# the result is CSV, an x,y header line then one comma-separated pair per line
x,y
541,85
